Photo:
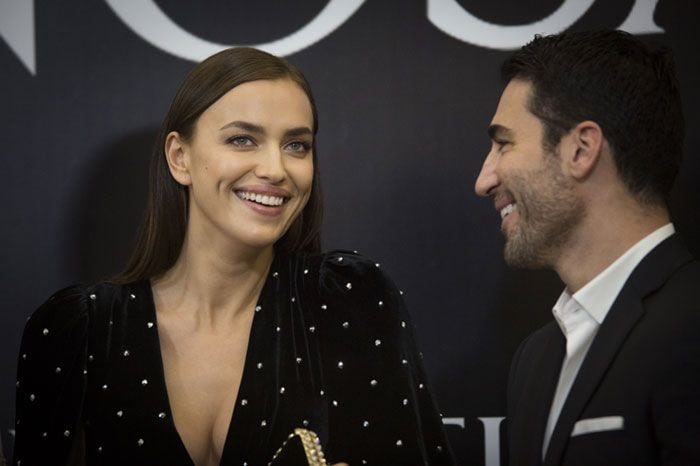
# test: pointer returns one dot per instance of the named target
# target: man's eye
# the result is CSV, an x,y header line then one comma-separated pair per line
x,y
500,145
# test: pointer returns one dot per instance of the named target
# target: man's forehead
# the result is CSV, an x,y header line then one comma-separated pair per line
x,y
512,107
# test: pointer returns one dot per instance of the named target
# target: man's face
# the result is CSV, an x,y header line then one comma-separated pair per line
x,y
538,204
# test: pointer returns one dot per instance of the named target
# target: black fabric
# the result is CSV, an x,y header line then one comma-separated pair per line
x,y
331,349
643,365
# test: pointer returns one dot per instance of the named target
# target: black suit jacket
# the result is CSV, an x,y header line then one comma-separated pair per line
x,y
643,365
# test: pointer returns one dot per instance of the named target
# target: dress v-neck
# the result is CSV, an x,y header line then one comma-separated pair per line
x,y
229,441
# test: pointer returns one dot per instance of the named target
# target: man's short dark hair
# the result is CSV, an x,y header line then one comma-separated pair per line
x,y
614,79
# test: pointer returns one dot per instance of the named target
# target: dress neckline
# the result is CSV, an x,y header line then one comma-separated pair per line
x,y
245,375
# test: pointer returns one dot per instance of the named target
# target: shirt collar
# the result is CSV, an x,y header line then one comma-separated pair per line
x,y
598,295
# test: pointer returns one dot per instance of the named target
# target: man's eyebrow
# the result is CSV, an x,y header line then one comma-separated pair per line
x,y
244,125
500,132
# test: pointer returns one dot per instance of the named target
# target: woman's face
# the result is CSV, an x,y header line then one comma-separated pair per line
x,y
248,164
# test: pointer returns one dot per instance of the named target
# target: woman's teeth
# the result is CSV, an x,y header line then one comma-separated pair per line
x,y
261,198
507,210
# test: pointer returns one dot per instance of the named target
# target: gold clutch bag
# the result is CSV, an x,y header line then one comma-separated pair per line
x,y
301,448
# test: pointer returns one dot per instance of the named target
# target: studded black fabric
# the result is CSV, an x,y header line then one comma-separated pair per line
x,y
331,349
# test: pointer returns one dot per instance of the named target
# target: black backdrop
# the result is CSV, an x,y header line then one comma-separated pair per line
x,y
403,111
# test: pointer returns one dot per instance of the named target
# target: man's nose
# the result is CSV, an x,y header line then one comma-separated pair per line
x,y
488,178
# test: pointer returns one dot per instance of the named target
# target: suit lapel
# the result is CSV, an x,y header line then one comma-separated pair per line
x,y
627,309
537,391
624,314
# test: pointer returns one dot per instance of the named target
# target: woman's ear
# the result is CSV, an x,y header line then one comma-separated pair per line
x,y
583,149
176,153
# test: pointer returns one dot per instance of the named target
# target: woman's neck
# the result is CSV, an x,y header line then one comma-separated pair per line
x,y
212,287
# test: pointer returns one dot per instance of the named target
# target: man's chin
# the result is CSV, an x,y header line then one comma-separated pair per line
x,y
522,256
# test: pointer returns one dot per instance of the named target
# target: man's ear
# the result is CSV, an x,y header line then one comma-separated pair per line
x,y
582,148
176,153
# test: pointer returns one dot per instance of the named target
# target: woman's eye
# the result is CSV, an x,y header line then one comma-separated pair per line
x,y
298,146
240,141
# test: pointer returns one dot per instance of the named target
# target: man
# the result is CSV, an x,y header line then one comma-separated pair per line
x,y
586,143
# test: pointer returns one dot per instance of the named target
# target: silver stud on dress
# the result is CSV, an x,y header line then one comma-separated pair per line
x,y
380,303
323,307
161,415
132,296
32,397
305,423
340,364
377,342
373,382
263,423
306,271
126,353
93,297
144,382
340,259
293,299
244,402
149,324
258,308
139,442
298,360
405,401
58,370
312,329
365,424
399,443
335,403
346,324
259,365
348,285
282,390
45,331
104,387
120,413
66,433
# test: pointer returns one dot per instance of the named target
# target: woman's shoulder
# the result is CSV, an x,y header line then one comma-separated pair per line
x,y
339,270
350,281
71,305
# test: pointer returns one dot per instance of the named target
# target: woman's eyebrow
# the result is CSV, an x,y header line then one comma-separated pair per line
x,y
244,125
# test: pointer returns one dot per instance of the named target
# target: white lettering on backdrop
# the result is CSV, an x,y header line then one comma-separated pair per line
x,y
154,26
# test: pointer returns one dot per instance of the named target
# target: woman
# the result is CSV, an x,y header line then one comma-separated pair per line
x,y
228,329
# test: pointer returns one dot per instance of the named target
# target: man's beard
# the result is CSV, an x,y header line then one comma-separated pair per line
x,y
548,211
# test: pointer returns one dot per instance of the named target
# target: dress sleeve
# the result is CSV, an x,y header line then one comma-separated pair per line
x,y
51,380
380,406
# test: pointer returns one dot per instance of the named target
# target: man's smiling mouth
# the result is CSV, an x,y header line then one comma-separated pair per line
x,y
507,210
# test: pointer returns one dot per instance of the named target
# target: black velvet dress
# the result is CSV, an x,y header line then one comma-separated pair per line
x,y
331,349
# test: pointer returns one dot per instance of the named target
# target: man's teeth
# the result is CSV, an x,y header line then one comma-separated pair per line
x,y
507,210
261,198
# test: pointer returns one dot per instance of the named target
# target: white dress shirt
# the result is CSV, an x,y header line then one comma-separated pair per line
x,y
579,316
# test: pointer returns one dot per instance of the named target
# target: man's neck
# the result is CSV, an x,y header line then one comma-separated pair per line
x,y
602,238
